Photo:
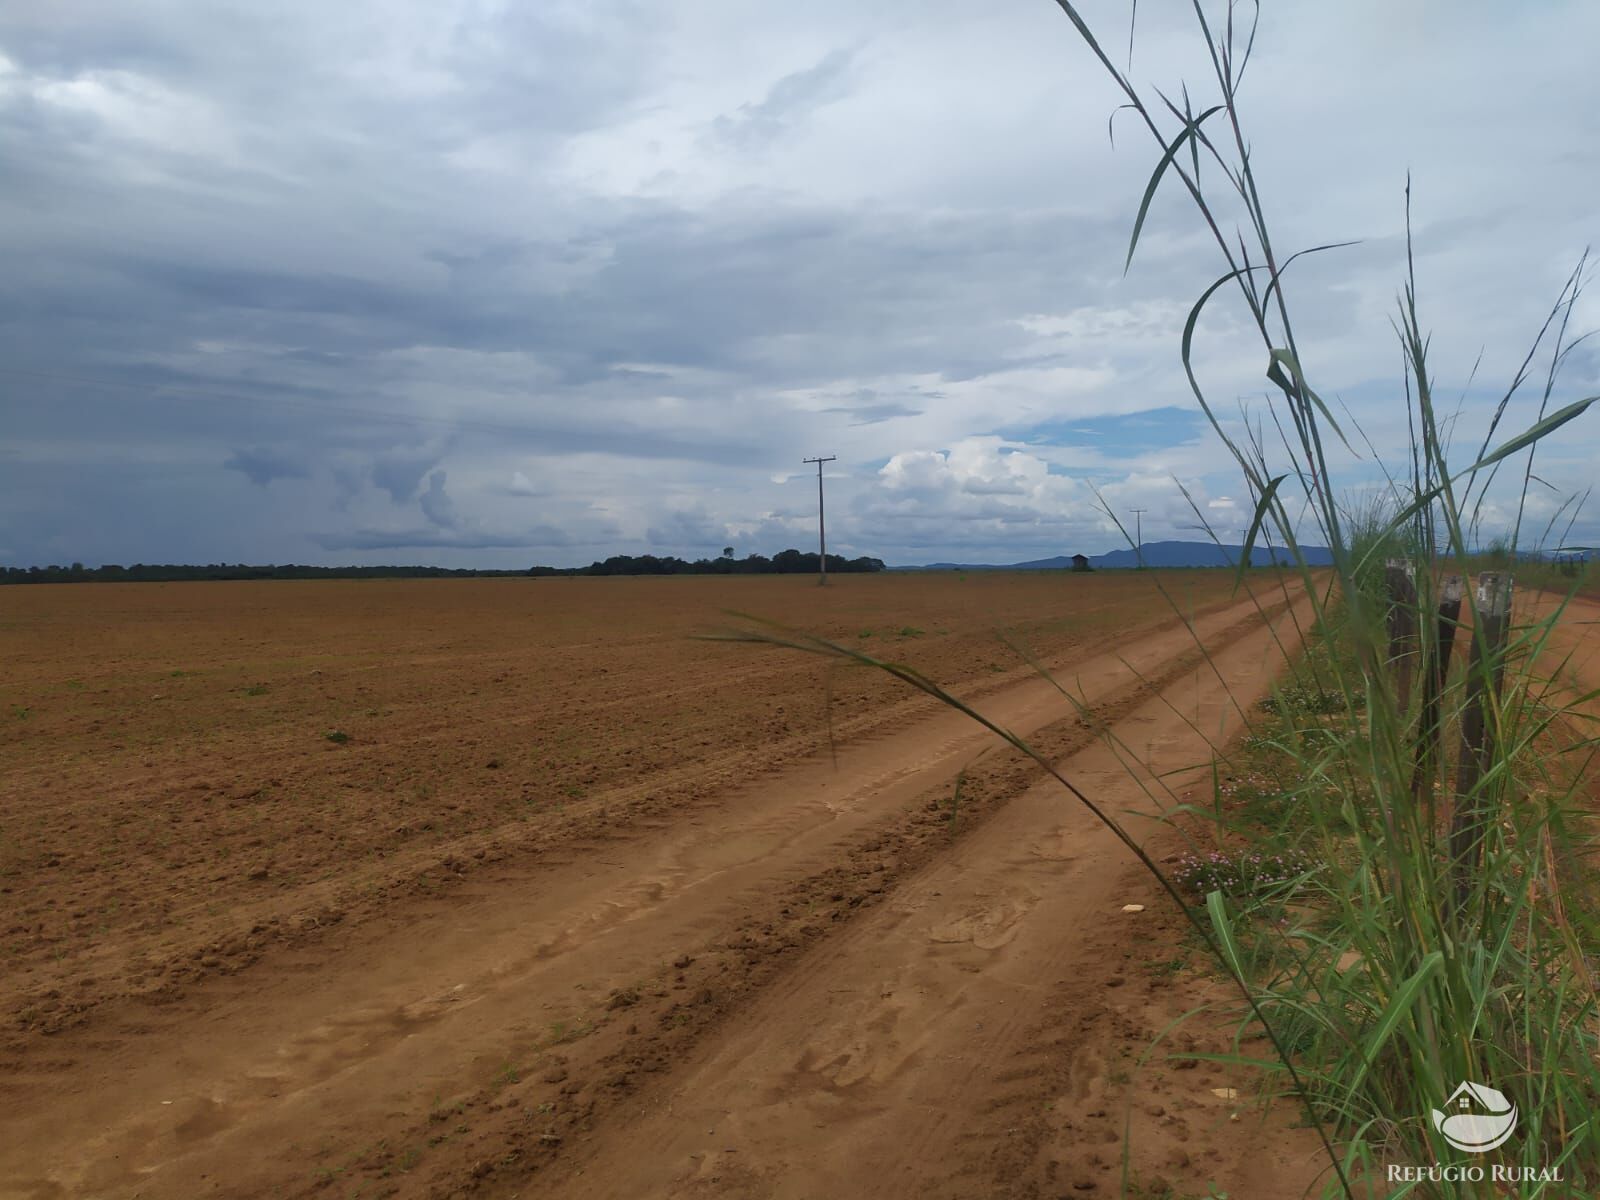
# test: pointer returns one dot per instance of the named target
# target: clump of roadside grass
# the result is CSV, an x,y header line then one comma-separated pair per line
x,y
1427,943
1386,986
1399,916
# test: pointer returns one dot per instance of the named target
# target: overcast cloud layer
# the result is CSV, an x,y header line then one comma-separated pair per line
x,y
492,284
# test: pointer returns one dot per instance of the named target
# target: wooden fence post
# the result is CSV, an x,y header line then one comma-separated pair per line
x,y
1436,671
1485,674
1399,580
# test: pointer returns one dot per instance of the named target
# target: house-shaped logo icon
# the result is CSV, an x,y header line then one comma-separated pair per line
x,y
1476,1118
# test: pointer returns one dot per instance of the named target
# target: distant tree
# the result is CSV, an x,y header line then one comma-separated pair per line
x,y
785,562
727,552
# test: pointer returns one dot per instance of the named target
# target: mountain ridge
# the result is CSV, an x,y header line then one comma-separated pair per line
x,y
1156,554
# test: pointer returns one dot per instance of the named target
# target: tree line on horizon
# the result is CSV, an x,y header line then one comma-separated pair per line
x,y
181,572
785,562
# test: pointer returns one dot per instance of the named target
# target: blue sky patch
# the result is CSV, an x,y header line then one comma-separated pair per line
x,y
1117,435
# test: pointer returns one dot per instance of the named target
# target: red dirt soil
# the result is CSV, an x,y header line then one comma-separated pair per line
x,y
573,889
1569,660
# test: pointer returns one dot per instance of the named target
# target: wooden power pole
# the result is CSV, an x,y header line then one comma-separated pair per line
x,y
822,525
1138,536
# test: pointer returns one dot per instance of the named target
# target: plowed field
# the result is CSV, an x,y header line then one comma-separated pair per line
x,y
514,887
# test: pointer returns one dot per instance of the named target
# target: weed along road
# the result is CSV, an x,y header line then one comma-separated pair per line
x,y
669,985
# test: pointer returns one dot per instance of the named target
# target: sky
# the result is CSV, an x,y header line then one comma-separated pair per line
x,y
494,284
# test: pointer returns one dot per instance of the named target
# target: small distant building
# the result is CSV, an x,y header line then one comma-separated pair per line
x,y
1080,562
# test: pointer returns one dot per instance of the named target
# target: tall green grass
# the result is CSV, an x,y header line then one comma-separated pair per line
x,y
1383,969
1401,970
1388,989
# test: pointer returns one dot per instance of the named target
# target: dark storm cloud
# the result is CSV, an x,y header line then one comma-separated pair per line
x,y
872,414
789,100
340,280
437,505
538,537
262,466
400,473
866,407
720,294
695,532
743,288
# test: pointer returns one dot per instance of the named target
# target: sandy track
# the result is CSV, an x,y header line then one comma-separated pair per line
x,y
901,1052
172,809
408,1057
1570,657
1572,653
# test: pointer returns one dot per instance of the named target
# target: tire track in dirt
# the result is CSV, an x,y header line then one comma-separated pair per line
x,y
1570,661
912,1045
234,940
255,1086
1114,1068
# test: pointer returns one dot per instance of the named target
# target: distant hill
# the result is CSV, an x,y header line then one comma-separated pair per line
x,y
1156,554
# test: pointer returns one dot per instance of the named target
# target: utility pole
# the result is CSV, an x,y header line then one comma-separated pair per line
x,y
822,526
1138,535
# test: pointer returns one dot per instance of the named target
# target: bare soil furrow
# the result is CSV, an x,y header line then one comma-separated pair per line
x,y
911,1040
378,1053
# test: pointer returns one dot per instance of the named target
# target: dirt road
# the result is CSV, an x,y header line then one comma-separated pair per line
x,y
918,1041
832,982
1569,659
